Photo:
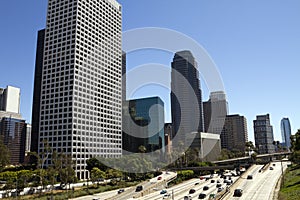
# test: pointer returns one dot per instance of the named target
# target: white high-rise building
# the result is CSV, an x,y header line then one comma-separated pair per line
x,y
10,99
81,87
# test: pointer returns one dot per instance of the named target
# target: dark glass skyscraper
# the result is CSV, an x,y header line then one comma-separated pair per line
x,y
37,91
286,132
183,110
149,119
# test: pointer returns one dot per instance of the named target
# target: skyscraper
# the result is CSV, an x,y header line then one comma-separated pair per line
x,y
36,103
13,135
286,132
263,134
81,87
10,99
148,115
184,112
215,111
235,134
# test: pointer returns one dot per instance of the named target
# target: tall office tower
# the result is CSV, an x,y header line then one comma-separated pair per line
x,y
81,87
123,76
145,121
263,134
36,104
183,110
168,135
286,132
13,135
215,111
10,99
235,134
28,138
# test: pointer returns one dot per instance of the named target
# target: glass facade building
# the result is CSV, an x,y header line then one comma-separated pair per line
x,y
286,132
148,113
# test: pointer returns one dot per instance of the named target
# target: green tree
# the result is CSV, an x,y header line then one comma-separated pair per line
x,y
4,155
23,178
142,149
95,162
66,172
295,147
97,174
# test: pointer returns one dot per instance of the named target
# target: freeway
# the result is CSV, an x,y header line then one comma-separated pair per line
x,y
181,190
263,184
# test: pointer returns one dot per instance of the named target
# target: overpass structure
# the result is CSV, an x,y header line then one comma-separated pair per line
x,y
249,159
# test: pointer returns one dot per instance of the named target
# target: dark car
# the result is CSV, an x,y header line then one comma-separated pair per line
x,y
271,168
121,191
212,181
202,196
192,191
139,188
219,185
163,192
205,188
196,183
238,193
250,177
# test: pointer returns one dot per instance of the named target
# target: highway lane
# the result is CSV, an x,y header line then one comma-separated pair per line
x,y
129,194
181,190
174,189
262,185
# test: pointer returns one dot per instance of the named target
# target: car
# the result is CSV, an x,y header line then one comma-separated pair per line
x,y
218,181
192,191
196,183
238,193
159,178
271,168
201,177
187,198
167,196
163,192
207,178
139,188
220,189
121,191
212,181
202,196
228,183
250,176
206,188
274,164
259,170
219,185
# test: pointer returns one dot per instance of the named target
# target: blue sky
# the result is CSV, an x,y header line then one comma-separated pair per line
x,y
255,45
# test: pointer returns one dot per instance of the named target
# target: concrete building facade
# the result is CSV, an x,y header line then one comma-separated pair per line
x,y
10,99
81,87
235,133
263,134
215,111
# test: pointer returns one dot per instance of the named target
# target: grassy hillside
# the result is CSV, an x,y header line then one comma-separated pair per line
x,y
290,190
